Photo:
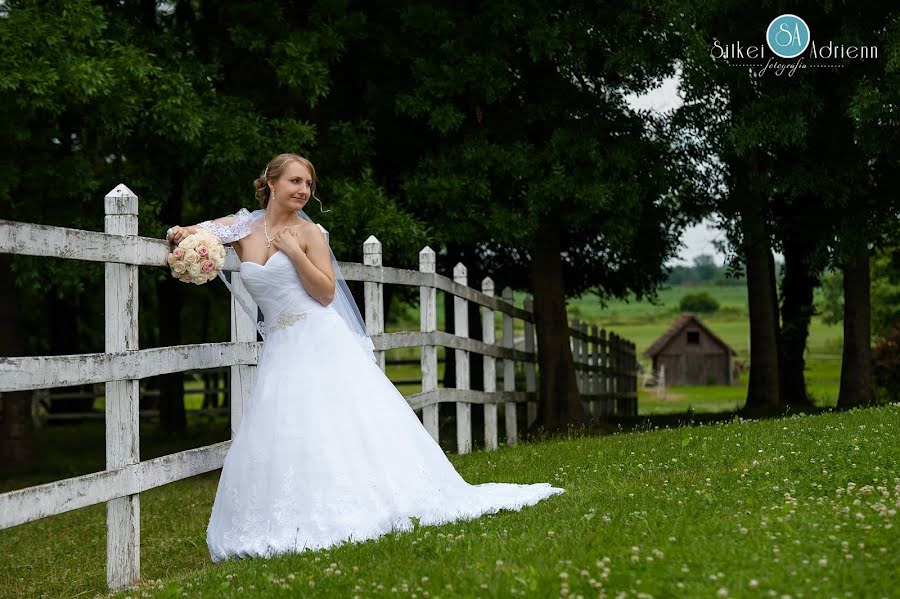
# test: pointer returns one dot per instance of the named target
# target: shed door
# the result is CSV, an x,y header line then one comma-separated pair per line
x,y
695,372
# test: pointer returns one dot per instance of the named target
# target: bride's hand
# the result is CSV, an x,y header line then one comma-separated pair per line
x,y
177,234
288,242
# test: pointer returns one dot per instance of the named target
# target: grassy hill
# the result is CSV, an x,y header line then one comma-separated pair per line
x,y
800,507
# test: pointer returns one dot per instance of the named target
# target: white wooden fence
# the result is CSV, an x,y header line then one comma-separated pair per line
x,y
606,368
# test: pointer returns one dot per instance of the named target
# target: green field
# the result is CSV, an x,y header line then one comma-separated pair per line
x,y
802,507
642,323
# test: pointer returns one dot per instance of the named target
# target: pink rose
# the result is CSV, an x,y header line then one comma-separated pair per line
x,y
208,265
178,252
202,250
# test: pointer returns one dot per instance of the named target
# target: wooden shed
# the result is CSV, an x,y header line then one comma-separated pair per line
x,y
692,354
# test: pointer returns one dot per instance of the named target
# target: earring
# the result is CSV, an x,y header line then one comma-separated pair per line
x,y
271,194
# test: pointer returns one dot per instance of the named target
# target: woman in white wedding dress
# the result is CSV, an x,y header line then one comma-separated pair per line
x,y
327,450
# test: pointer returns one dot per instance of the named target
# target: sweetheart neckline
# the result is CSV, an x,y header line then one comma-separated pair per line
x,y
269,259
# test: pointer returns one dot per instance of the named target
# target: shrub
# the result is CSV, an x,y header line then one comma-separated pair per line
x,y
701,302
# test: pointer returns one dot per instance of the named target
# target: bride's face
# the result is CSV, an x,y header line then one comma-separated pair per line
x,y
294,187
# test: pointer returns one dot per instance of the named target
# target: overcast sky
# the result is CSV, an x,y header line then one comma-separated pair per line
x,y
696,240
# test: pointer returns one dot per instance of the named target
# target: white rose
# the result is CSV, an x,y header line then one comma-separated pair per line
x,y
220,263
217,252
171,259
189,242
191,257
194,270
179,266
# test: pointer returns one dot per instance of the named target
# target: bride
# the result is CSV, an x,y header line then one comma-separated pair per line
x,y
328,450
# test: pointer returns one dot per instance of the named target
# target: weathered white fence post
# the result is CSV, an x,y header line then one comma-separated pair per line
x,y
461,329
428,324
530,381
374,295
123,515
614,372
585,363
242,329
581,327
490,368
509,374
595,373
576,352
632,379
604,374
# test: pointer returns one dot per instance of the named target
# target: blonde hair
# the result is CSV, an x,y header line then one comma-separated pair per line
x,y
274,169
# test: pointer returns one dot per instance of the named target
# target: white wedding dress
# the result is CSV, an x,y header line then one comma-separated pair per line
x,y
328,450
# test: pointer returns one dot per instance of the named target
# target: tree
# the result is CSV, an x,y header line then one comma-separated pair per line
x,y
799,179
530,156
873,213
104,94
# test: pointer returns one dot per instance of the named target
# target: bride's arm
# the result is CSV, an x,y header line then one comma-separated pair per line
x,y
313,263
229,229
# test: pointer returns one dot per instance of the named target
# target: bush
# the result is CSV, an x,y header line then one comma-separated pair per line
x,y
702,303
886,362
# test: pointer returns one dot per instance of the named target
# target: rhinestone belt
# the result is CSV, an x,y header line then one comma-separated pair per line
x,y
286,319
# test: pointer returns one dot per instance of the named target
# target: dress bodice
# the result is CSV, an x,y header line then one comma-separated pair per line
x,y
278,291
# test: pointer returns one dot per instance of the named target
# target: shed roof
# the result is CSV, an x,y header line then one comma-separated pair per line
x,y
683,321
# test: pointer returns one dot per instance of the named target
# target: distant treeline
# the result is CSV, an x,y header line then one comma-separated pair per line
x,y
705,272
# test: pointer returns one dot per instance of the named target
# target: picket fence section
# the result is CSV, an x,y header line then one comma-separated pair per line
x,y
606,367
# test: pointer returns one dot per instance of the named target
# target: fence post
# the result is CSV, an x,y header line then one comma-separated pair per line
x,y
584,374
582,357
123,515
509,374
461,329
595,374
428,324
615,363
242,329
490,367
632,378
604,374
374,295
530,382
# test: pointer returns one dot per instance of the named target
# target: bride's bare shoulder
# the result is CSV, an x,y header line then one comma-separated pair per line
x,y
304,227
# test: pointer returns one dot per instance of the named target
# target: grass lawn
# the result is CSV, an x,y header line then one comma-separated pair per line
x,y
803,506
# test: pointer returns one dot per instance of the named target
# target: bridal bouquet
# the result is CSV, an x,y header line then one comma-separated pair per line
x,y
198,258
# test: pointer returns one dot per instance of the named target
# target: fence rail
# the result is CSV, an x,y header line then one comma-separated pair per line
x,y
606,367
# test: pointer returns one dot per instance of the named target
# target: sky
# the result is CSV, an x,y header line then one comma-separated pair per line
x,y
696,240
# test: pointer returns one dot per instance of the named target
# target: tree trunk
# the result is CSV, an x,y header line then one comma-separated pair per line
x,y
856,362
797,289
560,402
16,431
763,386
